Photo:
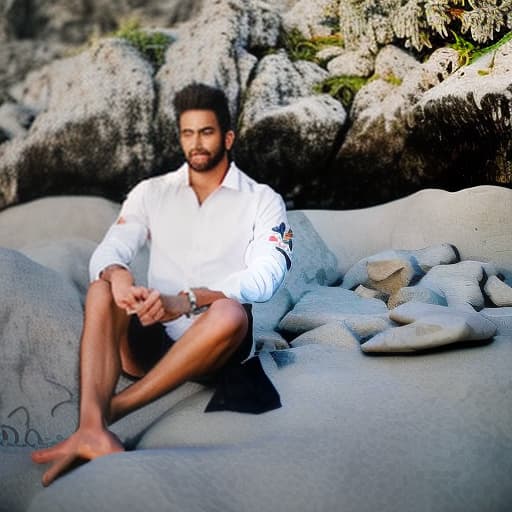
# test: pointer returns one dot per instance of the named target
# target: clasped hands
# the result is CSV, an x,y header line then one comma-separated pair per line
x,y
149,305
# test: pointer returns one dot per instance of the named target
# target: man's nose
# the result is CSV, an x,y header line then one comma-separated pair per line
x,y
198,141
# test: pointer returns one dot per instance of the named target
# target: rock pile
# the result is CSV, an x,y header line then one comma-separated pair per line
x,y
101,120
405,301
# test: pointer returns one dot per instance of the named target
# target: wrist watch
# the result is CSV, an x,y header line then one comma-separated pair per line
x,y
192,300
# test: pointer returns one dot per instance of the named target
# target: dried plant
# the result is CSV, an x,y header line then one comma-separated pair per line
x,y
374,23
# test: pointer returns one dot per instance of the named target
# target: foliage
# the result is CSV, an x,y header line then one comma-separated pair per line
x,y
151,44
468,52
299,47
417,23
343,88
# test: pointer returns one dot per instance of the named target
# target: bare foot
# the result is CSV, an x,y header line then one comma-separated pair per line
x,y
80,447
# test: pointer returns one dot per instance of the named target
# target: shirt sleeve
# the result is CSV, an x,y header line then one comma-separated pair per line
x,y
268,257
125,237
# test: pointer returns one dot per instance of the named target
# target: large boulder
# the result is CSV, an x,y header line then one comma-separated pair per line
x,y
286,132
467,120
95,133
350,436
374,144
40,330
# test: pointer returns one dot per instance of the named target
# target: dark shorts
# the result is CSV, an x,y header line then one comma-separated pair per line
x,y
149,344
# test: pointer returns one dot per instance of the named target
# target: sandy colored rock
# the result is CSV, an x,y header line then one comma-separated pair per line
x,y
390,270
429,326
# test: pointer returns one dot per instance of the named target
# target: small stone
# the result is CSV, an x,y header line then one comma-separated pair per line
x,y
498,291
352,63
329,52
460,282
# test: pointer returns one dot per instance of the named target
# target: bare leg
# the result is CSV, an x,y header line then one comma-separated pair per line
x,y
202,349
205,347
100,365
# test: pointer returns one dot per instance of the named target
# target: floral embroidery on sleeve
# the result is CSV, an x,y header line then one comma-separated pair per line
x,y
283,241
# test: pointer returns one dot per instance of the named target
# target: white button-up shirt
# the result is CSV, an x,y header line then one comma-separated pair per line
x,y
237,241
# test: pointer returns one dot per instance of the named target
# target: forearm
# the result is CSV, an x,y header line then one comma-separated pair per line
x,y
118,273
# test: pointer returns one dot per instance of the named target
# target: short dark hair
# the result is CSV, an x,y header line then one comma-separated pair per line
x,y
203,97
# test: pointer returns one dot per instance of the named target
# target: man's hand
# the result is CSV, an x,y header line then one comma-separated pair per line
x,y
125,294
162,308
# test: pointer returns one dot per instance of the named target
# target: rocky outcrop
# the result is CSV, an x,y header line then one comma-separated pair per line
x,y
94,131
413,125
372,151
214,48
470,111
285,129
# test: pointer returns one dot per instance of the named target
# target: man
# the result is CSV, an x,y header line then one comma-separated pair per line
x,y
218,241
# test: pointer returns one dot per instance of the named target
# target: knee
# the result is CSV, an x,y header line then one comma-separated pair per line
x,y
230,314
98,294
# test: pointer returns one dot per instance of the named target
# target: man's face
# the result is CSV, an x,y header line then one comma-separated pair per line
x,y
202,140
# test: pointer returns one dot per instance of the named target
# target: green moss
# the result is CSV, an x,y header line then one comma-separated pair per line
x,y
151,44
390,78
299,47
342,88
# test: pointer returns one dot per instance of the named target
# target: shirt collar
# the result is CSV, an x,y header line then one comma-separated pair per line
x,y
231,180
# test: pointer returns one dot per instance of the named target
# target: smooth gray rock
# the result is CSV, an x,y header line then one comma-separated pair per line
x,y
56,218
98,115
313,264
266,317
498,291
362,414
459,283
41,322
429,326
323,305
501,317
69,257
334,333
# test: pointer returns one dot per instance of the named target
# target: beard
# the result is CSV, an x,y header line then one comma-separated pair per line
x,y
209,160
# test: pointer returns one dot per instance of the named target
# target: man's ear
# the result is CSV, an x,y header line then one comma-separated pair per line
x,y
229,139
